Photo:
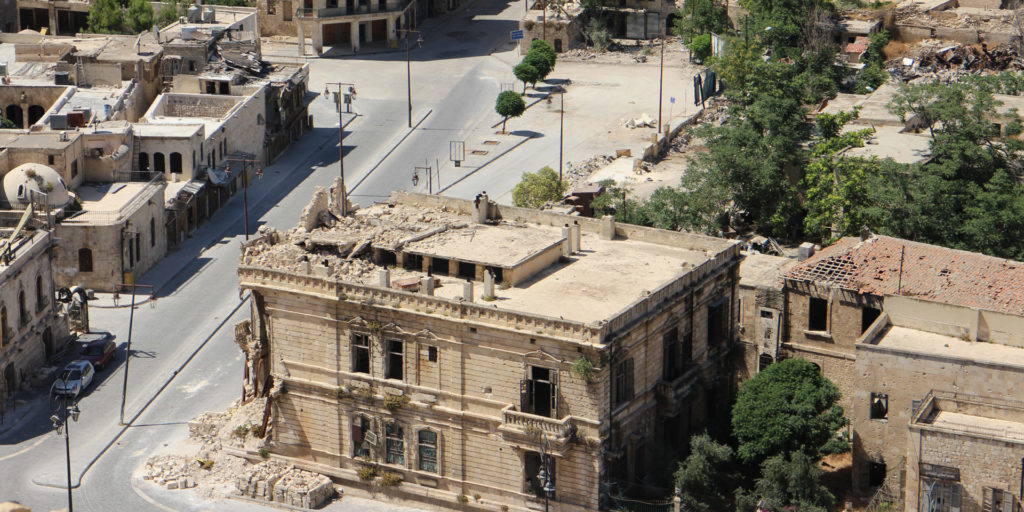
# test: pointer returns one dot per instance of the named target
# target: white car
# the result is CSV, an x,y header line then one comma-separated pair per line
x,y
74,378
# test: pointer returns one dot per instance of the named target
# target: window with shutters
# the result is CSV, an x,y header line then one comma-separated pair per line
x,y
538,393
999,500
394,444
687,348
718,319
623,381
360,446
395,362
672,354
426,441
360,353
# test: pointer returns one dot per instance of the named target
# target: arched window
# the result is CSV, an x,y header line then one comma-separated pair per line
x,y
35,113
23,315
14,115
158,163
426,450
143,162
85,260
40,295
176,163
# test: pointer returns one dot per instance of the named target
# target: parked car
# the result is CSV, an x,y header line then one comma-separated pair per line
x,y
99,348
74,378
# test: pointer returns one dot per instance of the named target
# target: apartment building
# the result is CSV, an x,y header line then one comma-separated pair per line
x,y
453,342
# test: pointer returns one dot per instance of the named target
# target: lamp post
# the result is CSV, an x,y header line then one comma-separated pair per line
x,y
661,79
128,349
245,186
545,476
60,425
408,67
561,133
343,98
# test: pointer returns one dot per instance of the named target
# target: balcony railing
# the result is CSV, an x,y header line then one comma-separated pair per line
x,y
334,12
531,422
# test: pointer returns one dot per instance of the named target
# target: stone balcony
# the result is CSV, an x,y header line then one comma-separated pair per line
x,y
340,11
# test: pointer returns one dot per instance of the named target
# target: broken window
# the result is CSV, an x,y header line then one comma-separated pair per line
x,y
672,358
686,350
85,260
998,500
388,258
817,314
879,406
764,361
360,426
876,473
432,354
623,381
395,366
868,317
439,266
940,495
538,394
718,327
496,272
394,444
531,469
427,450
413,262
360,353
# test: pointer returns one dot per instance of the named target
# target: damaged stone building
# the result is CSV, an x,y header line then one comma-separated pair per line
x,y
925,344
452,342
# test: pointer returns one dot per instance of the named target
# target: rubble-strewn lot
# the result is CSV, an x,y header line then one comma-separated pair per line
x,y
933,60
214,474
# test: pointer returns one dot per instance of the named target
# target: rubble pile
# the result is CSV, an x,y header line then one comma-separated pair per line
x,y
579,172
172,471
989,20
949,62
281,483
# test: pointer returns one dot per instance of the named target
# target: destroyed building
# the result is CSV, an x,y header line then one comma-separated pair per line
x,y
452,341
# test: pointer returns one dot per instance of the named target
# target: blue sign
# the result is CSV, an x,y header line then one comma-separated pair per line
x,y
671,99
516,35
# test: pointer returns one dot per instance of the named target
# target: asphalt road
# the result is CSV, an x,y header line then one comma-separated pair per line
x,y
184,360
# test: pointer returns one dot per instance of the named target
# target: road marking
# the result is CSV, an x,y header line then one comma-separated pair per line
x,y
151,501
25,449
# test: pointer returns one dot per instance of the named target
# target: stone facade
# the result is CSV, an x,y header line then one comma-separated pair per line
x,y
458,396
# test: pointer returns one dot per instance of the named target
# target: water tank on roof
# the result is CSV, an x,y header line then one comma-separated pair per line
x,y
187,33
62,78
208,15
193,14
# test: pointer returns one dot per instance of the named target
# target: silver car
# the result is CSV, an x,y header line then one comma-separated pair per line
x,y
75,377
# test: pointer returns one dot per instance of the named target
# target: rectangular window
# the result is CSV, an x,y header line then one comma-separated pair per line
x,y
686,350
394,444
394,369
817,315
942,495
360,426
360,353
623,380
432,354
427,440
915,405
879,406
718,327
672,361
868,317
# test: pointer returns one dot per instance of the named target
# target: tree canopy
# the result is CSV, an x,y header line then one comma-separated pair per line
x,y
105,17
509,104
787,407
139,15
537,189
700,17
526,74
707,479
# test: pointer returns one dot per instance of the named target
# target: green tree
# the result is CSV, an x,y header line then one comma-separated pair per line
x,y
876,42
140,16
6,123
616,199
509,104
700,17
542,47
105,17
526,74
539,60
597,33
788,407
779,23
700,46
537,189
793,480
706,479
168,14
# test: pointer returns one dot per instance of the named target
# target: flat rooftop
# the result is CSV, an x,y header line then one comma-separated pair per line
x,y
161,129
764,270
979,425
891,142
38,140
595,284
108,203
923,342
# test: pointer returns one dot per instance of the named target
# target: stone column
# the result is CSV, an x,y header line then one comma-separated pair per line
x,y
608,227
467,291
567,243
354,35
427,285
488,284
384,278
302,39
369,31
318,38
391,30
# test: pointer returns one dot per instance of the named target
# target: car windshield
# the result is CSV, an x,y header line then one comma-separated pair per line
x,y
93,350
70,375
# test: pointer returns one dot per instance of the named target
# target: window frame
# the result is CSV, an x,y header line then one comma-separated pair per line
x,y
391,354
874,413
365,425
420,446
812,324
390,439
356,348
623,382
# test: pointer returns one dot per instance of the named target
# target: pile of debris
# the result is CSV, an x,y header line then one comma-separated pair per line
x,y
579,172
946,63
281,483
644,121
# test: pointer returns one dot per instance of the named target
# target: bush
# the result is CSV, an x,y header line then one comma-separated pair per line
x,y
242,430
395,402
597,33
367,473
700,47
582,368
264,453
870,78
390,479
462,498
536,189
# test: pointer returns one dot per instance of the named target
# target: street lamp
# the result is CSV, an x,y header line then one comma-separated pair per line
x,y
545,476
60,425
346,99
408,68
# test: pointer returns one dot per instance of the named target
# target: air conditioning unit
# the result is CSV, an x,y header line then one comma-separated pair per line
x,y
58,121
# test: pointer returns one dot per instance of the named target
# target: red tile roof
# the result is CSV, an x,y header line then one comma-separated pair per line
x,y
929,272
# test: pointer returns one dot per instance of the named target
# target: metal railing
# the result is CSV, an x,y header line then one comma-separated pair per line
x,y
333,12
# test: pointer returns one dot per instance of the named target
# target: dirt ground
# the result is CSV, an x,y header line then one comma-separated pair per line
x,y
837,478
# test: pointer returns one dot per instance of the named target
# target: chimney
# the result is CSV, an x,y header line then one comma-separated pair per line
x,y
567,233
306,268
577,236
608,227
806,250
488,284
480,206
467,291
427,285
384,275
865,233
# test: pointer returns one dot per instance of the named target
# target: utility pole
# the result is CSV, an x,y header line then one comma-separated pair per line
x,y
245,187
561,133
341,133
128,349
661,79
408,66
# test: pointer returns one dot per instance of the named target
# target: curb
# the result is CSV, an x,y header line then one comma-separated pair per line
x,y
485,164
392,150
